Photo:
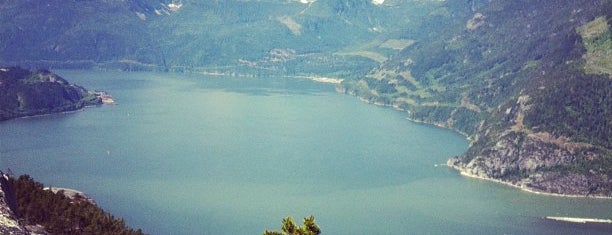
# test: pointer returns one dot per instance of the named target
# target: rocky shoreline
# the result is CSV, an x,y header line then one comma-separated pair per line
x,y
537,162
455,164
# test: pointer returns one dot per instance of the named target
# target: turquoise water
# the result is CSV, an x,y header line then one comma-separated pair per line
x,y
189,154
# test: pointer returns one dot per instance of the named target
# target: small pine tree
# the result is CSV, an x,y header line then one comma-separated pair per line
x,y
289,227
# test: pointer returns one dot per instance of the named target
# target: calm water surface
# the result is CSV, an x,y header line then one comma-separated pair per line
x,y
188,154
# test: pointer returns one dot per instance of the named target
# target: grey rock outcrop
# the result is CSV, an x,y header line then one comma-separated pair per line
x,y
8,220
528,162
536,161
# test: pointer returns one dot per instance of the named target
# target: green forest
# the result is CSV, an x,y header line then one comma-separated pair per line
x,y
61,215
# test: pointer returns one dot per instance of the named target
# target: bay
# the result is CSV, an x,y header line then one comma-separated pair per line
x,y
195,154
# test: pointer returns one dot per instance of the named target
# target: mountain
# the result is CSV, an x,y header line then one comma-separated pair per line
x,y
28,93
527,81
338,37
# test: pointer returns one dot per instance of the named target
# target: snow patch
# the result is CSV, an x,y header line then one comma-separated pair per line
x,y
378,2
175,6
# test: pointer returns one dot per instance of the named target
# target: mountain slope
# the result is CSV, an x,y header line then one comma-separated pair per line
x,y
512,78
74,33
318,37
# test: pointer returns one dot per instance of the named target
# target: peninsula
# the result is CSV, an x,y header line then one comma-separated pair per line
x,y
29,93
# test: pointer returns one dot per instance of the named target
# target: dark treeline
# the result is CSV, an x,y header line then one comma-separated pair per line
x,y
61,215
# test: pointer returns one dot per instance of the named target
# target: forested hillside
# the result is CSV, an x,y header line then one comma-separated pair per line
x,y
528,81
58,214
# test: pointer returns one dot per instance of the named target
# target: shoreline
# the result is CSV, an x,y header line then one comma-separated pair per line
x,y
395,107
470,140
52,113
47,114
81,109
522,187
318,79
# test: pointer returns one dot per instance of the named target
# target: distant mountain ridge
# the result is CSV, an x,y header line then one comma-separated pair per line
x,y
329,35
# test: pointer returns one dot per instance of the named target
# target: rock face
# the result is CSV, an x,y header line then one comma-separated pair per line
x,y
8,220
537,162
531,163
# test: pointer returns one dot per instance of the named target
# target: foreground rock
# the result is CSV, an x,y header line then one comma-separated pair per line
x,y
8,220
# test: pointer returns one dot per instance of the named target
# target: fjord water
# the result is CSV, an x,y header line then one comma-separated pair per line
x,y
192,154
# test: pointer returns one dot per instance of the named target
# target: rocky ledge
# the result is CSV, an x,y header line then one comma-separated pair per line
x,y
72,194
